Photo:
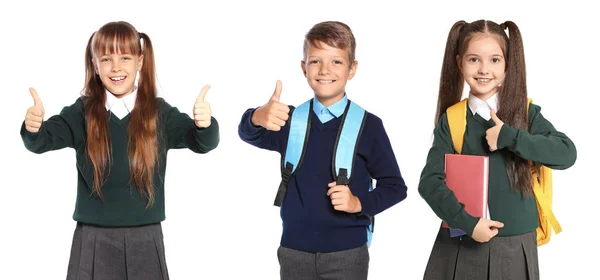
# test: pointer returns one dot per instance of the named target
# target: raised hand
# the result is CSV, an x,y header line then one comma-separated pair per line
x,y
202,113
274,114
35,114
491,135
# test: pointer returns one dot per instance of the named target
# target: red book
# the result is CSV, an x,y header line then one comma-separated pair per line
x,y
467,177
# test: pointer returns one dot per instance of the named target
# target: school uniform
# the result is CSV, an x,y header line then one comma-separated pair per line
x,y
317,241
512,254
118,237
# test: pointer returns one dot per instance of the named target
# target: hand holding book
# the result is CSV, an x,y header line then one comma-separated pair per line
x,y
485,230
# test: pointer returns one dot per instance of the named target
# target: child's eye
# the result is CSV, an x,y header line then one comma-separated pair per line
x,y
338,62
126,58
313,62
496,60
104,59
473,59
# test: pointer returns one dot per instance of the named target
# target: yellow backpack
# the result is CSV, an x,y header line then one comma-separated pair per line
x,y
542,178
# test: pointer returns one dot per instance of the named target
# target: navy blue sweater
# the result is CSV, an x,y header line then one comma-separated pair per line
x,y
310,223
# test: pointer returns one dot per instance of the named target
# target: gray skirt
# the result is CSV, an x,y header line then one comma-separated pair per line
x,y
132,253
503,257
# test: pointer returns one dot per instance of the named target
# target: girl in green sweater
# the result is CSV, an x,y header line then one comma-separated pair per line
x,y
121,132
501,127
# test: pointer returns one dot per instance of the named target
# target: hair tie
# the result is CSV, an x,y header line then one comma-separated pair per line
x,y
462,26
503,26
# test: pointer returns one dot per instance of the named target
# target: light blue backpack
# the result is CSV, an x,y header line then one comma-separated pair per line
x,y
353,121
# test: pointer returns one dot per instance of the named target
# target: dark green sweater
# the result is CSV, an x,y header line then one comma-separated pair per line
x,y
122,204
541,144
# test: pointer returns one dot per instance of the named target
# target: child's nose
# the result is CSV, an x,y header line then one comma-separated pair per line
x,y
116,65
324,70
483,68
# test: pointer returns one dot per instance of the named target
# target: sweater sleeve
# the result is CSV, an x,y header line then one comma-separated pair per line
x,y
383,167
543,143
261,137
432,185
58,132
182,132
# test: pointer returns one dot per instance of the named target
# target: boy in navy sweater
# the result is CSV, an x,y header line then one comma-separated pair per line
x,y
324,224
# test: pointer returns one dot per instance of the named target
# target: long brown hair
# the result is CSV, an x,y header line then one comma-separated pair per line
x,y
513,92
122,37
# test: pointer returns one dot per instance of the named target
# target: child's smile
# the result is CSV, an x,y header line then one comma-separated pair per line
x,y
482,66
115,71
327,70
118,80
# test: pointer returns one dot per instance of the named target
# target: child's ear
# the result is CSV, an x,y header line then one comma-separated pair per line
x,y
303,65
458,62
353,68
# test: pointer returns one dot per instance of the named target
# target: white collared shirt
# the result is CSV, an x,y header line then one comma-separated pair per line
x,y
120,107
481,107
326,114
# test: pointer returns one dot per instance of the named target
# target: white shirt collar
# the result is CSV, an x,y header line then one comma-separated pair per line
x,y
481,107
120,107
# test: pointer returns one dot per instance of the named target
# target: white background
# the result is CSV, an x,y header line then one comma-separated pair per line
x,y
220,220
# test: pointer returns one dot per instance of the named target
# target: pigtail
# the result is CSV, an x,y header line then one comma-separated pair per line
x,y
451,80
97,141
143,140
513,105
513,94
147,81
92,80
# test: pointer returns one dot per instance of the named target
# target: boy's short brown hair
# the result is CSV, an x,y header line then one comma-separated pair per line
x,y
333,33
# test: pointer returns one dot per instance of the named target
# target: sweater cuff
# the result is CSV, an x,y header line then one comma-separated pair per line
x,y
366,205
467,222
507,137
211,126
29,136
249,128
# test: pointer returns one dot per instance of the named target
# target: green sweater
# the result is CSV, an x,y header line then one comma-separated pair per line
x,y
542,144
122,204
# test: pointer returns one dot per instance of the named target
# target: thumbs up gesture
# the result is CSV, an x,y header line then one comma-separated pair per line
x,y
491,135
35,114
274,114
202,111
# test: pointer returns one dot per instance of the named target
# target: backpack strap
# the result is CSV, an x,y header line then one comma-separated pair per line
x,y
457,121
296,147
345,149
346,143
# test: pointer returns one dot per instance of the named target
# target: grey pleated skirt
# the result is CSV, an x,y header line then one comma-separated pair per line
x,y
128,253
503,257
